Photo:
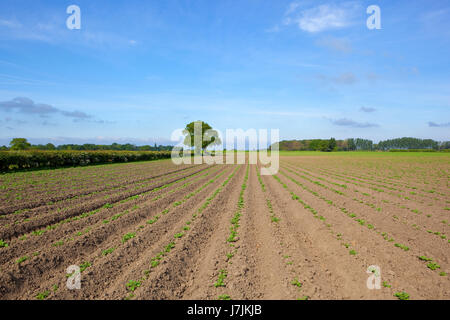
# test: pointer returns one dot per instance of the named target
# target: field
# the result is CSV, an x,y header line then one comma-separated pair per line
x,y
154,230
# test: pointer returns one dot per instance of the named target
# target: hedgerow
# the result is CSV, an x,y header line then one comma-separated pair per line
x,y
19,160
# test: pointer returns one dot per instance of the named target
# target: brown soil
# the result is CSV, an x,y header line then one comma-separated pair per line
x,y
157,231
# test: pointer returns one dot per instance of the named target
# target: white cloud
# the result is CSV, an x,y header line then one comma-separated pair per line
x,y
9,23
292,7
322,17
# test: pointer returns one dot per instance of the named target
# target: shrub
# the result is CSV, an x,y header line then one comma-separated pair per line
x,y
19,160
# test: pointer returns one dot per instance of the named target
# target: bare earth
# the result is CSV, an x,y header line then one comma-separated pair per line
x,y
154,230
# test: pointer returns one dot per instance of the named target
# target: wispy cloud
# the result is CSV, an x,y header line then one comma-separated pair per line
x,y
344,122
436,14
367,109
322,17
438,125
7,79
52,32
346,78
9,23
27,106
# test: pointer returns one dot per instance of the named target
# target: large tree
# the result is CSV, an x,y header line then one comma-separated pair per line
x,y
19,144
201,138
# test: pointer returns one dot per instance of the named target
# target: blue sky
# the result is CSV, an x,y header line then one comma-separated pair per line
x,y
137,70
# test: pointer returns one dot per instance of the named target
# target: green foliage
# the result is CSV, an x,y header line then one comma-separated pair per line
x,y
128,236
206,137
402,295
297,283
22,259
108,251
221,278
433,266
133,285
423,258
19,144
84,266
401,246
19,160
3,244
43,295
408,143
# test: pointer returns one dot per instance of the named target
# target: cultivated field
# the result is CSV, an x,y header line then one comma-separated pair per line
x,y
153,230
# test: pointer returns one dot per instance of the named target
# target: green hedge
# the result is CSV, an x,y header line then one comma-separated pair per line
x,y
18,160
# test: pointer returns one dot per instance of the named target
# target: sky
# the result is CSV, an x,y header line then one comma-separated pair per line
x,y
136,71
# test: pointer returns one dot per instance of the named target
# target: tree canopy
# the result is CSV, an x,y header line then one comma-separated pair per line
x,y
202,139
19,144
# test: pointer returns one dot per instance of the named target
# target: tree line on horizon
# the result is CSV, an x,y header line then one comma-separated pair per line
x,y
326,145
23,144
359,144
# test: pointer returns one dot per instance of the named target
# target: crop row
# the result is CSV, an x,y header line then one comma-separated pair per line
x,y
155,261
353,216
233,237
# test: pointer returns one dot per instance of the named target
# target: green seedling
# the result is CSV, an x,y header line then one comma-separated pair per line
x,y
43,295
220,280
128,236
84,266
22,259
433,266
401,246
402,295
297,283
133,285
107,251
423,258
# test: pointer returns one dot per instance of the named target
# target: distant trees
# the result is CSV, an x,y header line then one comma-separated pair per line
x,y
23,144
444,145
360,144
364,144
313,145
351,144
19,144
408,143
332,145
326,145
